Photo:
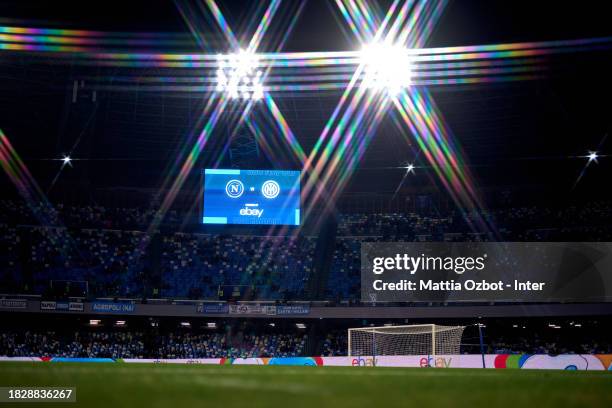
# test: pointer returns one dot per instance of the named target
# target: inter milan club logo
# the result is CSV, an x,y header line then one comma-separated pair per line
x,y
234,188
270,189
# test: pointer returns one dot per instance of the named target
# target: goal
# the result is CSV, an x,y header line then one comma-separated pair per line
x,y
420,339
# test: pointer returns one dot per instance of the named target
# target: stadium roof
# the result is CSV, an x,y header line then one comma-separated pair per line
x,y
531,132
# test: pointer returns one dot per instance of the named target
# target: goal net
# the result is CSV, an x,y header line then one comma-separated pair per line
x,y
421,339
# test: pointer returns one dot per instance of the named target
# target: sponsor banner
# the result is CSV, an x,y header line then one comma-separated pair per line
x,y
113,307
486,271
269,310
289,361
499,361
13,303
47,305
81,360
595,362
4,358
173,361
559,362
285,310
213,308
76,307
422,361
61,306
252,309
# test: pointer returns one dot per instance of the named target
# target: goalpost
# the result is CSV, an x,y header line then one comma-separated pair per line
x,y
419,339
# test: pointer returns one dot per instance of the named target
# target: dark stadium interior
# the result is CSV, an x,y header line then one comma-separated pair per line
x,y
515,135
98,235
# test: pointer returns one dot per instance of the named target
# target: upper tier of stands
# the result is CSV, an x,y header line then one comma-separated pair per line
x,y
99,252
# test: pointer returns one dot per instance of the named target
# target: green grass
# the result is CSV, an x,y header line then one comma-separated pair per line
x,y
158,385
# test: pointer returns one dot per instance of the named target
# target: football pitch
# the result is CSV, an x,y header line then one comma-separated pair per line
x,y
168,385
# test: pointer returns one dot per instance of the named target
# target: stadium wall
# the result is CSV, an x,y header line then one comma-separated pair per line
x,y
498,361
302,310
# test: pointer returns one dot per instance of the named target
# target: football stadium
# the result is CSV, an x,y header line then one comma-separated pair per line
x,y
305,203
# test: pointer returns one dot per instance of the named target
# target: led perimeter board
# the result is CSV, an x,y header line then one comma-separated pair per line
x,y
270,197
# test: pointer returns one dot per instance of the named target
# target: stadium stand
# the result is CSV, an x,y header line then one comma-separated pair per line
x,y
93,251
577,336
128,344
272,268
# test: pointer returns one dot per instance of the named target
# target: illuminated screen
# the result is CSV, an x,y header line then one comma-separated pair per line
x,y
270,197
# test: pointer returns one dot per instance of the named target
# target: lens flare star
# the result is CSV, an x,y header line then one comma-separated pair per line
x,y
387,67
239,75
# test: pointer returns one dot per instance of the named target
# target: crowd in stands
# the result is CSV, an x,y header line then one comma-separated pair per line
x,y
127,344
35,259
533,344
535,340
219,346
198,266
589,222
187,345
335,344
344,279
72,344
63,250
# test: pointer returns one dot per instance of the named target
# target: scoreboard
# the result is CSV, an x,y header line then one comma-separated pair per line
x,y
233,196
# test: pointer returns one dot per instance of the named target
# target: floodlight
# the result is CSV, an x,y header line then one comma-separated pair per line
x,y
593,156
66,160
387,67
238,75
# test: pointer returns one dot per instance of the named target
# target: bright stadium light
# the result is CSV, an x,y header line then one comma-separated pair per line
x,y
66,160
593,156
387,67
239,75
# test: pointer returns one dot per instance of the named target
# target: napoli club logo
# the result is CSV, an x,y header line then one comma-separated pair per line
x,y
234,188
270,189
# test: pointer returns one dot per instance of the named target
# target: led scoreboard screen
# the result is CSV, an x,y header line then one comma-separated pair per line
x,y
234,196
